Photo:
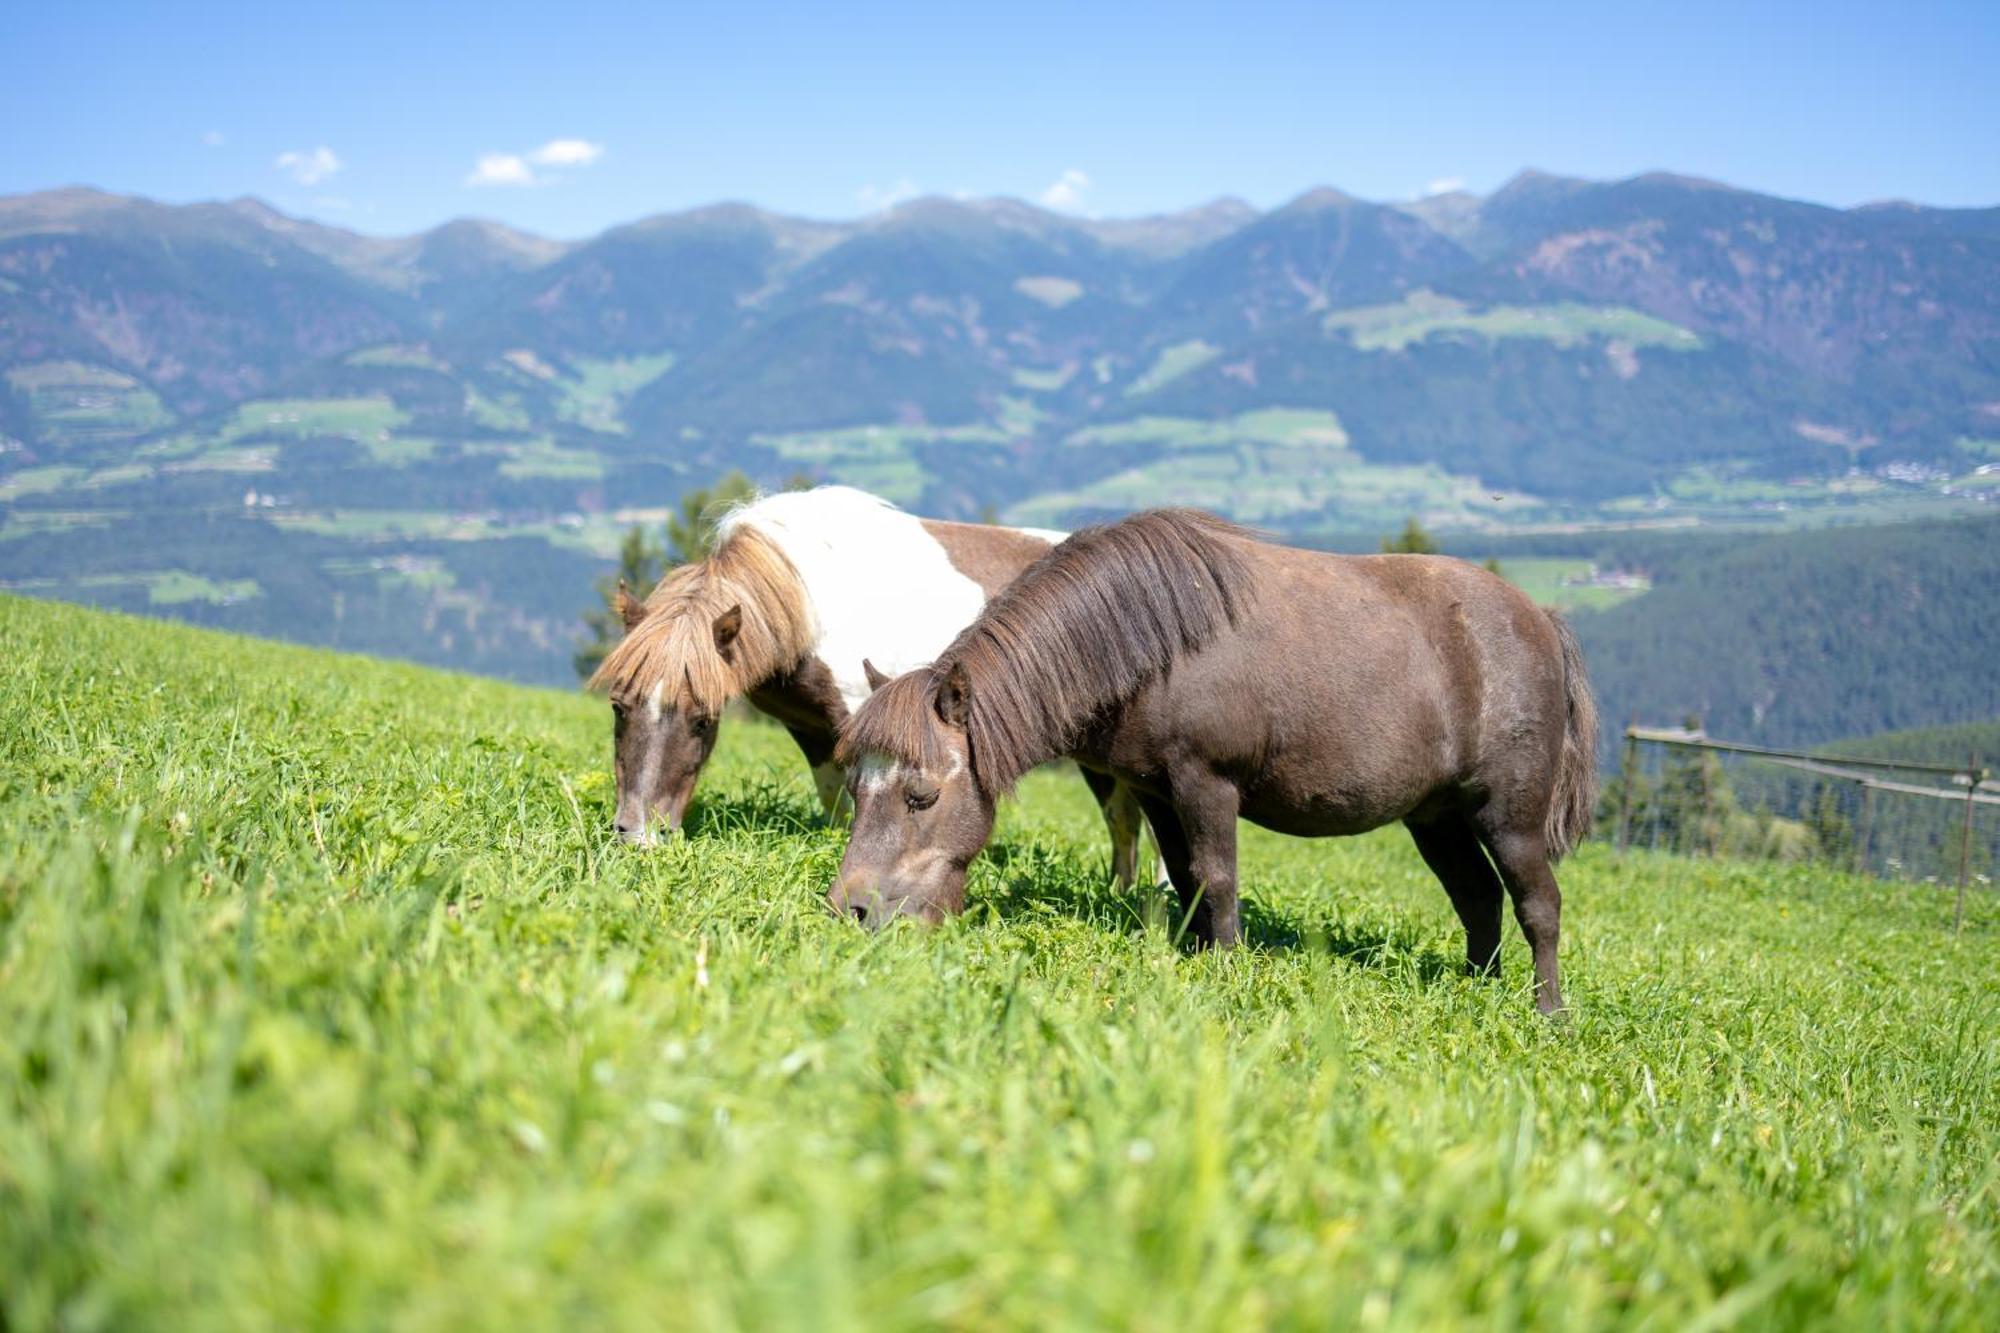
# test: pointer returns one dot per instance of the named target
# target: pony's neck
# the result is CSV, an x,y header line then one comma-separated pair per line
x,y
1084,630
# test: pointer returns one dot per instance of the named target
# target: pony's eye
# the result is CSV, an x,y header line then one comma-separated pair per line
x,y
700,726
921,800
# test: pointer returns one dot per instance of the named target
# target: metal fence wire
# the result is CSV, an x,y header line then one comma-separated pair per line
x,y
1680,790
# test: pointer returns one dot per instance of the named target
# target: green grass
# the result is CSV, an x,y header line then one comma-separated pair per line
x,y
325,1002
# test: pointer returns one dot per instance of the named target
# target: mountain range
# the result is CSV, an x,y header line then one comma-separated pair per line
x,y
428,444
1560,341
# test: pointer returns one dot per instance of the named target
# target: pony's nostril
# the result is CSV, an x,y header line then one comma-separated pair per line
x,y
624,830
860,912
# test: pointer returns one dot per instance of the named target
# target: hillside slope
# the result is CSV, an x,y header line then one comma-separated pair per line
x,y
324,1000
1806,638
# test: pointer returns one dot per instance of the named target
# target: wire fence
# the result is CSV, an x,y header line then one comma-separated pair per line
x,y
1680,790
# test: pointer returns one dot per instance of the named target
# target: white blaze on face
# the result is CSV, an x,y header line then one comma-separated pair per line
x,y
877,772
655,701
881,587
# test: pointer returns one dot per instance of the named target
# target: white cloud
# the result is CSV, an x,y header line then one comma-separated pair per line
x,y
501,169
1067,191
877,197
1444,185
309,166
567,153
213,139
519,168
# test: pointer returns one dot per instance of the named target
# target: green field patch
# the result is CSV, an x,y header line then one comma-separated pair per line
x,y
1280,426
595,394
881,459
1571,585
34,522
173,446
399,450
1045,381
318,969
357,419
413,356
163,587
243,458
544,458
1277,465
1978,447
116,476
1422,314
1018,417
71,401
1055,293
1172,363
1278,485
502,413
175,587
383,524
38,480
394,571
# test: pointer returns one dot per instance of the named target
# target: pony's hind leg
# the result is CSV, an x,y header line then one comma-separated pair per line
x,y
1451,849
1123,820
1523,861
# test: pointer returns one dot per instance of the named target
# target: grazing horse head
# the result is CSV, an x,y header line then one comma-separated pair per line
x,y
920,814
710,631
930,752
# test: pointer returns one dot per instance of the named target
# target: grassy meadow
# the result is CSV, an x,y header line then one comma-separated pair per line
x,y
325,1001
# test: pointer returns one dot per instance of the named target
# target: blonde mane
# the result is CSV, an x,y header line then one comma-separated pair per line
x,y
675,643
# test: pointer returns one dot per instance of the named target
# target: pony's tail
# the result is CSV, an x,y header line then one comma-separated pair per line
x,y
1575,798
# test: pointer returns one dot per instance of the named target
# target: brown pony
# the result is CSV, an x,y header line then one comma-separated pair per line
x,y
1220,677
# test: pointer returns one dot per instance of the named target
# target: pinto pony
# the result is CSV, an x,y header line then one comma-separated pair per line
x,y
803,591
1218,676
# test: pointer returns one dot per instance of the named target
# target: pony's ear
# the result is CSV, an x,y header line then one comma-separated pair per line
x,y
876,679
727,626
954,696
630,609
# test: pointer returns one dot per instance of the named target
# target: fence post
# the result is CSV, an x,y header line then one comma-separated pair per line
x,y
1974,776
1862,827
1631,775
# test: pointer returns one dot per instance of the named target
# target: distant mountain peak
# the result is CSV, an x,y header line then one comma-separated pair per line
x,y
1678,181
1319,198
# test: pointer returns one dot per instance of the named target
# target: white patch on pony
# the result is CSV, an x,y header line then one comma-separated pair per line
x,y
880,586
877,771
656,701
1049,535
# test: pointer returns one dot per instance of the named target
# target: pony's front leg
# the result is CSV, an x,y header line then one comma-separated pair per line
x,y
1125,822
1197,837
829,779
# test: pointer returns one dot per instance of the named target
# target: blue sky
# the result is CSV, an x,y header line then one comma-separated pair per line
x,y
567,118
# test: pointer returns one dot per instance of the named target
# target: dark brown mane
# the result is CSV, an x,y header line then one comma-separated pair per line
x,y
1080,630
